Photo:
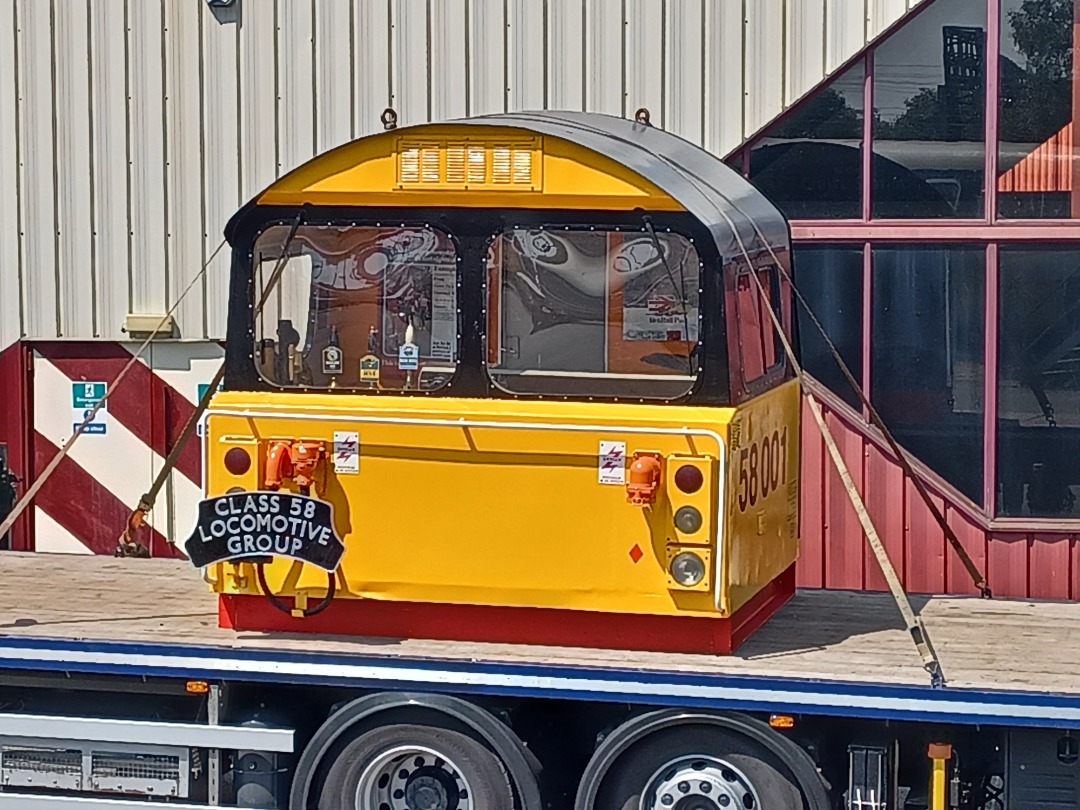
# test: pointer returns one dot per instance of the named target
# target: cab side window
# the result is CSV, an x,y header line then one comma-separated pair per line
x,y
756,342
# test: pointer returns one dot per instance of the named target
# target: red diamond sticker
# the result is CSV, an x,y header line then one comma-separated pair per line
x,y
636,553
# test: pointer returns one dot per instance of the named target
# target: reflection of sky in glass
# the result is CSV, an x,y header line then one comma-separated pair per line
x,y
850,85
911,59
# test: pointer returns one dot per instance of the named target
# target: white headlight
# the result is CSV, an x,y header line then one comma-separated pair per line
x,y
687,569
688,519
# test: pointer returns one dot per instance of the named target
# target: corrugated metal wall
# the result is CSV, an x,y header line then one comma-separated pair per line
x,y
131,129
834,554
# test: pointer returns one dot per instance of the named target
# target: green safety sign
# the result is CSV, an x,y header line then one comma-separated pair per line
x,y
84,397
87,394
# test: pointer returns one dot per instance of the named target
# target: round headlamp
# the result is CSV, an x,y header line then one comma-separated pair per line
x,y
687,519
688,569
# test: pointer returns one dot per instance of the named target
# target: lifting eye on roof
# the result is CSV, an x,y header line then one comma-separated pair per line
x,y
389,118
642,116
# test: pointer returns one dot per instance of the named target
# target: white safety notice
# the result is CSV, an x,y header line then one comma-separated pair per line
x,y
346,452
408,357
611,463
443,312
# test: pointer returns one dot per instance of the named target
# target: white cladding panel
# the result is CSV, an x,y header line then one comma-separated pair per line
x,y
10,220
130,130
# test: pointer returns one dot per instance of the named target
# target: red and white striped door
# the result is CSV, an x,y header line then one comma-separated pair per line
x,y
84,506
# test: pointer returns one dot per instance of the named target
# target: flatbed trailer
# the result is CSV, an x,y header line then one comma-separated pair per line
x,y
108,629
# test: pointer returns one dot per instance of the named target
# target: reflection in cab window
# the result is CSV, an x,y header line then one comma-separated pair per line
x,y
357,307
598,313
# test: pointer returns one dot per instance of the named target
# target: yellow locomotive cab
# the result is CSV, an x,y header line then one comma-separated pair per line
x,y
513,378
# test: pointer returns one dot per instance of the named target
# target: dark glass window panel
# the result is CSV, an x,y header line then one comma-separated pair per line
x,y
1038,431
927,369
810,163
929,113
830,278
1035,131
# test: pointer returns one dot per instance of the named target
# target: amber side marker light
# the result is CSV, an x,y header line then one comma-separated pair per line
x,y
689,479
782,721
197,687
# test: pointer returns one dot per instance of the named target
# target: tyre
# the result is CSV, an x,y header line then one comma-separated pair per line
x,y
698,768
411,767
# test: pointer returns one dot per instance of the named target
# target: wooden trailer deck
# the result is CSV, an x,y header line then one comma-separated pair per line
x,y
999,644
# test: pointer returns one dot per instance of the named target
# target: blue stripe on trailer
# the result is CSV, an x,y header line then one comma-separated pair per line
x,y
654,687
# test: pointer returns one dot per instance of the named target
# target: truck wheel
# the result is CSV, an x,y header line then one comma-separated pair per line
x,y
405,767
698,768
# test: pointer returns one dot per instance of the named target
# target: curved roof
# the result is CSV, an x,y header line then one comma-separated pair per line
x,y
719,197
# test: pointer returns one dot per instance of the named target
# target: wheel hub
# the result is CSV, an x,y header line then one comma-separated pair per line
x,y
412,778
699,783
426,791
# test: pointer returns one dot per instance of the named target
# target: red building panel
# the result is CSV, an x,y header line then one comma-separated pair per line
x,y
1049,568
810,572
1007,559
15,428
1021,563
843,532
925,544
886,503
1074,566
973,538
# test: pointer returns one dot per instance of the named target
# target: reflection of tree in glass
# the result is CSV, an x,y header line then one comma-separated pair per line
x,y
1036,101
826,115
952,110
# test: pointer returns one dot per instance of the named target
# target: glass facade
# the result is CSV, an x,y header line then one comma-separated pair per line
x,y
1037,104
830,278
1038,386
962,272
927,355
929,102
810,163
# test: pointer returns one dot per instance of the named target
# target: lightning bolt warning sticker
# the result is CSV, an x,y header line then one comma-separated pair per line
x,y
346,452
611,463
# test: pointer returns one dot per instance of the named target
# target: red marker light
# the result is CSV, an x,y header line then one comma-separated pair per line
x,y
689,479
237,461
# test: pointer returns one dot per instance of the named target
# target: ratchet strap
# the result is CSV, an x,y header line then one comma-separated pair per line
x,y
913,623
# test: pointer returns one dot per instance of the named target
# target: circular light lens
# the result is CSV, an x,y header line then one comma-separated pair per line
x,y
687,569
235,490
689,479
687,519
237,461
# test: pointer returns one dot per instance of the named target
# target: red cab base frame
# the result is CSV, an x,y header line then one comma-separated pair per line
x,y
517,625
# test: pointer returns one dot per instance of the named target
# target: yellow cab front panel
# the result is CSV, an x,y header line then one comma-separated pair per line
x,y
447,506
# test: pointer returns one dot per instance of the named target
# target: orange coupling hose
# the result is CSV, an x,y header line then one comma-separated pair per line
x,y
279,464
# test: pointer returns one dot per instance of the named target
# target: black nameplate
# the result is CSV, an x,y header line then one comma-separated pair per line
x,y
265,524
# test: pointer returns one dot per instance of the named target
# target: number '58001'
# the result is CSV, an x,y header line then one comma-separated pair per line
x,y
762,467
